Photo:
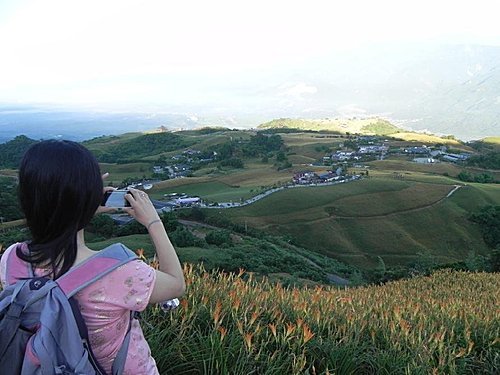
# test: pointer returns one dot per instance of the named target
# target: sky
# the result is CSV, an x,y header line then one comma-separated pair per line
x,y
153,54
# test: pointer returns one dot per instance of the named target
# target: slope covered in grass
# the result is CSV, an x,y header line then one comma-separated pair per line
x,y
398,220
234,324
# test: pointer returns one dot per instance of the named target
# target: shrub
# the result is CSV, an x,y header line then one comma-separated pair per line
x,y
182,237
218,237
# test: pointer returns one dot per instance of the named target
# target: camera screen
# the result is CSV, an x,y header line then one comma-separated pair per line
x,y
116,199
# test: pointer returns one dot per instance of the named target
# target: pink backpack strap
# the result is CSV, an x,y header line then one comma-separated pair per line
x,y
94,268
15,268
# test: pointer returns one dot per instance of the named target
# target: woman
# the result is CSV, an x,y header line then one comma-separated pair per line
x,y
60,189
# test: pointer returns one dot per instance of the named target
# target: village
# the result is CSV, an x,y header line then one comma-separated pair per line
x,y
351,154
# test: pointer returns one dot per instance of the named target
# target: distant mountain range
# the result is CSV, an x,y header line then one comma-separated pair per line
x,y
444,89
41,122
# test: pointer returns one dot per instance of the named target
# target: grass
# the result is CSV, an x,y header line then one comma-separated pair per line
x,y
235,185
356,222
410,166
119,172
360,126
135,241
375,204
296,200
267,256
495,141
429,139
234,323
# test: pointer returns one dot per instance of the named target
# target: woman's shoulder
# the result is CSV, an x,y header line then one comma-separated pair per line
x,y
131,262
129,286
3,261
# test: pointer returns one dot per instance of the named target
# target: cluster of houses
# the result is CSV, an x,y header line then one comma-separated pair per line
x,y
173,171
422,154
308,177
429,155
182,164
182,200
365,150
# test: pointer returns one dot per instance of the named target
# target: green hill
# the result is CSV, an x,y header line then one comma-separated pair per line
x,y
399,221
400,215
373,126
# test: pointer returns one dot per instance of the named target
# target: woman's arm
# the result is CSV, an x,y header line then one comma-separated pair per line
x,y
170,278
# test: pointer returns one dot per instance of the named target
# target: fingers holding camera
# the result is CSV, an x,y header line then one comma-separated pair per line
x,y
142,208
103,209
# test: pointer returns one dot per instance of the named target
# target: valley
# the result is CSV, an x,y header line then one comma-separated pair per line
x,y
267,191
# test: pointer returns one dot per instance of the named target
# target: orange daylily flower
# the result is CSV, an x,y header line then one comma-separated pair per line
x,y
140,254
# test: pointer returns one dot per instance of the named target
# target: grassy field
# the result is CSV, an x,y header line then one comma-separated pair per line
x,y
233,186
408,167
353,126
356,222
429,139
236,324
494,141
143,241
403,165
119,172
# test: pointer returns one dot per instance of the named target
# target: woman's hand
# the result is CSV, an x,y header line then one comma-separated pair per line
x,y
141,207
104,209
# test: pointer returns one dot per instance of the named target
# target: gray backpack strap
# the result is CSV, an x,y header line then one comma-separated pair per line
x,y
121,357
92,270
13,314
95,267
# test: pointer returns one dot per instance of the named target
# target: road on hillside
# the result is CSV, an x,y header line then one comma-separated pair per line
x,y
271,191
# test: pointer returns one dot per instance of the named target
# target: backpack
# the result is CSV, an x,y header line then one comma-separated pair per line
x,y
41,328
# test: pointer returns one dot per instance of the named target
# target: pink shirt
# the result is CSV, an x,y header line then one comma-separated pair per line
x,y
106,306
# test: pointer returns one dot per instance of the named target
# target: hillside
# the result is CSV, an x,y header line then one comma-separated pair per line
x,y
396,214
399,221
235,323
372,126
349,126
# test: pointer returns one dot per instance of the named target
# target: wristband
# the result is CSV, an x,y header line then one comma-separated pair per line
x,y
154,221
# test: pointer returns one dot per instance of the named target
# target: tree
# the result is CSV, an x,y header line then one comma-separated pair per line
x,y
169,220
495,259
488,219
233,162
103,225
225,151
183,237
12,151
280,156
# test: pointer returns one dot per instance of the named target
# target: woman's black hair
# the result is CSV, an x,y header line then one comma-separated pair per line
x,y
60,189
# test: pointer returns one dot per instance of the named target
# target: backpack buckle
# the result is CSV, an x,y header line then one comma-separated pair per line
x,y
38,283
